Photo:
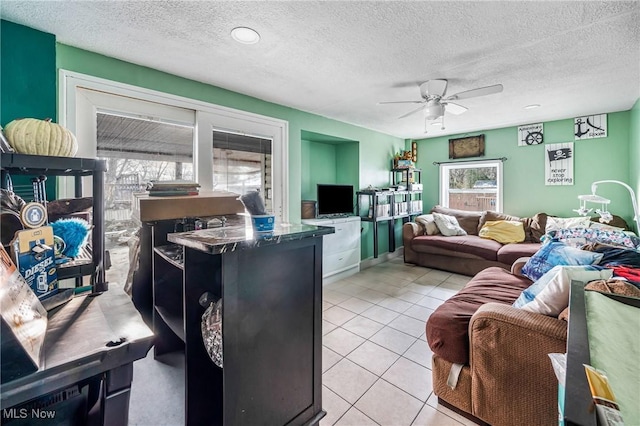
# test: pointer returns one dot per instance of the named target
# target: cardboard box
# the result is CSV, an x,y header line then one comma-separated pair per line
x,y
214,203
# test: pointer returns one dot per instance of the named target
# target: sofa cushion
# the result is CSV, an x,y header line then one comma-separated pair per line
x,y
448,225
448,326
468,244
509,253
468,220
537,226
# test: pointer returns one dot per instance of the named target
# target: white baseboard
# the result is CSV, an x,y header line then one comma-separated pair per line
x,y
371,261
340,275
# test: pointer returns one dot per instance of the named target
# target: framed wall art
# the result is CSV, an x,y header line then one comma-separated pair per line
x,y
470,146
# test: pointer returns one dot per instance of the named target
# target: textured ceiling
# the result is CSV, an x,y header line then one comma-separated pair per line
x,y
339,58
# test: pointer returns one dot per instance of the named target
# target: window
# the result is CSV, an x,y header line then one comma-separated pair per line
x,y
145,134
242,163
473,186
138,150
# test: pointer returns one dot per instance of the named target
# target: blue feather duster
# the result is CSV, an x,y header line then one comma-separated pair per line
x,y
74,232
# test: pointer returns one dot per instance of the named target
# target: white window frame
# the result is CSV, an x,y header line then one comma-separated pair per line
x,y
74,109
444,179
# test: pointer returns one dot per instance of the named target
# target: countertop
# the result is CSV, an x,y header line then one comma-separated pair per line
x,y
242,237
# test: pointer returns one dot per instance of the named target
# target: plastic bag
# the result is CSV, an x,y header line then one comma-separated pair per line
x,y
559,362
212,331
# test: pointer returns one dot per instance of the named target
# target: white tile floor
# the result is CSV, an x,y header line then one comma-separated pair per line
x,y
375,359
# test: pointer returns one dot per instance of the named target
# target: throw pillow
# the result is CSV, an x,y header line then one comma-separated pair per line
x,y
503,231
549,295
428,223
448,225
555,223
556,253
468,220
604,227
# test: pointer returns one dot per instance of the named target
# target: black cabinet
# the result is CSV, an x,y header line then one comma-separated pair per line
x,y
22,164
271,292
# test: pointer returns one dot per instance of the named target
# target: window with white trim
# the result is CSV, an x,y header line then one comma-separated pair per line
x,y
472,185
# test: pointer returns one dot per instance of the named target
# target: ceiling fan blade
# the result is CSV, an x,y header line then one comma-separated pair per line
x,y
454,108
399,102
411,112
433,87
481,91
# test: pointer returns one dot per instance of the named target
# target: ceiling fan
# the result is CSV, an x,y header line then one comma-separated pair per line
x,y
434,103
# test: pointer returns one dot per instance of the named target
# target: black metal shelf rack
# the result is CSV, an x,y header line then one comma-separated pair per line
x,y
23,164
403,204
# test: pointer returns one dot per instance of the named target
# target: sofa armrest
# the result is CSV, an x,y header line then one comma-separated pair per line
x,y
516,268
411,230
512,374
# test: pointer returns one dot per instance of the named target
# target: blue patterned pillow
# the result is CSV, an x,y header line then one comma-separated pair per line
x,y
557,253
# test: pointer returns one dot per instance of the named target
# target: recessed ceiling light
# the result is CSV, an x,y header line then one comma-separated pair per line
x,y
532,106
245,35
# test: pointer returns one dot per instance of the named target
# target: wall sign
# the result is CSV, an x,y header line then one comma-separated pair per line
x,y
530,134
558,164
590,127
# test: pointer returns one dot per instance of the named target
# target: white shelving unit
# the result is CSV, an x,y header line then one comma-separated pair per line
x,y
341,250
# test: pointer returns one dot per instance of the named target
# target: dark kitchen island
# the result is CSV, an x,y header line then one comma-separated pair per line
x,y
271,290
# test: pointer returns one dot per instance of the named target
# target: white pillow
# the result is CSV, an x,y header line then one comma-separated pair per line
x,y
551,291
429,224
604,226
448,225
555,223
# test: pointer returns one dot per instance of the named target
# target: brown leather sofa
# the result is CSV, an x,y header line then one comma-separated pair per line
x,y
506,377
469,254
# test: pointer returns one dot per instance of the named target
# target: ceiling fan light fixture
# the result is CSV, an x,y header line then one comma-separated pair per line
x,y
245,35
433,110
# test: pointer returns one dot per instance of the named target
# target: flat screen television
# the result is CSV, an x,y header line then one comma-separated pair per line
x,y
335,199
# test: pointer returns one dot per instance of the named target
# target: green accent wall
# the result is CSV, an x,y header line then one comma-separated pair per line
x,y
28,73
525,192
375,149
27,80
319,166
634,152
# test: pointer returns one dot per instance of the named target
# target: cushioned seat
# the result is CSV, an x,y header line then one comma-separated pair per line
x,y
509,253
469,244
448,326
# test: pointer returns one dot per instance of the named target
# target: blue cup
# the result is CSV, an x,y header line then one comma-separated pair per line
x,y
263,223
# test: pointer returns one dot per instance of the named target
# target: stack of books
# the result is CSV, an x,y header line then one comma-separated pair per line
x,y
168,188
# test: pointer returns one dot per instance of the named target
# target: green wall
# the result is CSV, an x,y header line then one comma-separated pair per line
x,y
634,152
319,166
347,162
27,87
525,192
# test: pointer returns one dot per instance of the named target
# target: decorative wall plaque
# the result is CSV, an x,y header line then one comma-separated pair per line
x,y
471,146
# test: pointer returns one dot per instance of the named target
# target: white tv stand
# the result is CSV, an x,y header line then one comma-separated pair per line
x,y
341,250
